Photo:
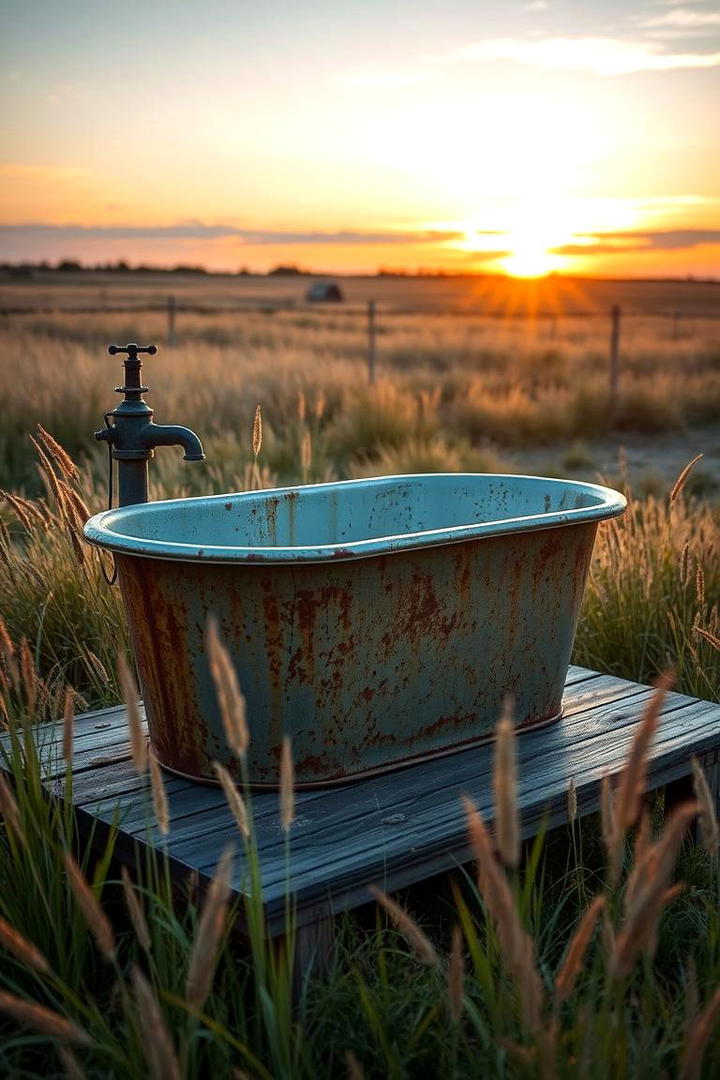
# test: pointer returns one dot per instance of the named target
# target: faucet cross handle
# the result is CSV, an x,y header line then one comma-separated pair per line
x,y
132,350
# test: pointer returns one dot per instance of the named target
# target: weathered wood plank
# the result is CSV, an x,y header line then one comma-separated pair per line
x,y
396,828
348,807
436,843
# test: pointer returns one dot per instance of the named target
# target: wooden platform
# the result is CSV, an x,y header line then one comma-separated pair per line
x,y
396,829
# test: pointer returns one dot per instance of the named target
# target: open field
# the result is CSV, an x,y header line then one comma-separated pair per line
x,y
456,387
484,294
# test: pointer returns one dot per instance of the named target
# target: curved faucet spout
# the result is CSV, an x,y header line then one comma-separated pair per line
x,y
173,435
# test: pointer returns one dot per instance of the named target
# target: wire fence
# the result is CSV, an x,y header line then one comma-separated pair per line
x,y
378,316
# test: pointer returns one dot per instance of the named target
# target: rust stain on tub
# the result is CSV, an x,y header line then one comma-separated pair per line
x,y
158,621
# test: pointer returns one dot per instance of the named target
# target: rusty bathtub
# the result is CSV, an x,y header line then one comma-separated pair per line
x,y
376,622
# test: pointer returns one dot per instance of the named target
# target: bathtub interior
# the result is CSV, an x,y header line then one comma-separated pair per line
x,y
354,511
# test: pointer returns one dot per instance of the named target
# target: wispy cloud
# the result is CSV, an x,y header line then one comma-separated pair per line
x,y
597,55
200,231
682,21
617,243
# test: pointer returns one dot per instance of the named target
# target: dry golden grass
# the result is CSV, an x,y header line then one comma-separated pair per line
x,y
465,378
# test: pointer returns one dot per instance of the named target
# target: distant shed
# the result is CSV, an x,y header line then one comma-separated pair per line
x,y
324,292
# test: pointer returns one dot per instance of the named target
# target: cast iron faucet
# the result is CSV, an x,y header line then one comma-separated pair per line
x,y
133,436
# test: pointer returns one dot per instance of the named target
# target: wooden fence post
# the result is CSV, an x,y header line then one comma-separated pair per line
x,y
171,336
372,350
615,356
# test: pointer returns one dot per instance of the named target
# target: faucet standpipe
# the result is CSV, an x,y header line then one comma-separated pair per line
x,y
132,437
132,388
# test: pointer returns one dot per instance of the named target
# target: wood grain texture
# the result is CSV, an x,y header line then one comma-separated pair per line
x,y
394,829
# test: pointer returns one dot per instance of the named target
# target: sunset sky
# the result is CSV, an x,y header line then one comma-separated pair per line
x,y
521,137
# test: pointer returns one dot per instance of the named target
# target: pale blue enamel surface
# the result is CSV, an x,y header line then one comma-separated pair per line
x,y
349,519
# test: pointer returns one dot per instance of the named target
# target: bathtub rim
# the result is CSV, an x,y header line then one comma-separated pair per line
x,y
99,529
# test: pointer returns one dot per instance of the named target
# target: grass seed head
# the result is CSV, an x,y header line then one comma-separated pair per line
x,y
234,799
227,688
42,1019
7,649
306,453
631,787
68,724
9,809
354,1068
287,785
97,666
82,511
21,948
456,975
96,919
507,827
130,693
157,1044
203,956
136,911
572,804
257,432
648,892
20,512
64,462
708,815
572,964
415,937
70,1063
29,675
700,587
517,949
159,796
707,635
682,478
642,839
697,1039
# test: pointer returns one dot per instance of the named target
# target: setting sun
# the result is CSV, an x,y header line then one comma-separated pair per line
x,y
530,258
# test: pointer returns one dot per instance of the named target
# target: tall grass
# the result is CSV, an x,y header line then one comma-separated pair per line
x,y
653,598
474,383
119,977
